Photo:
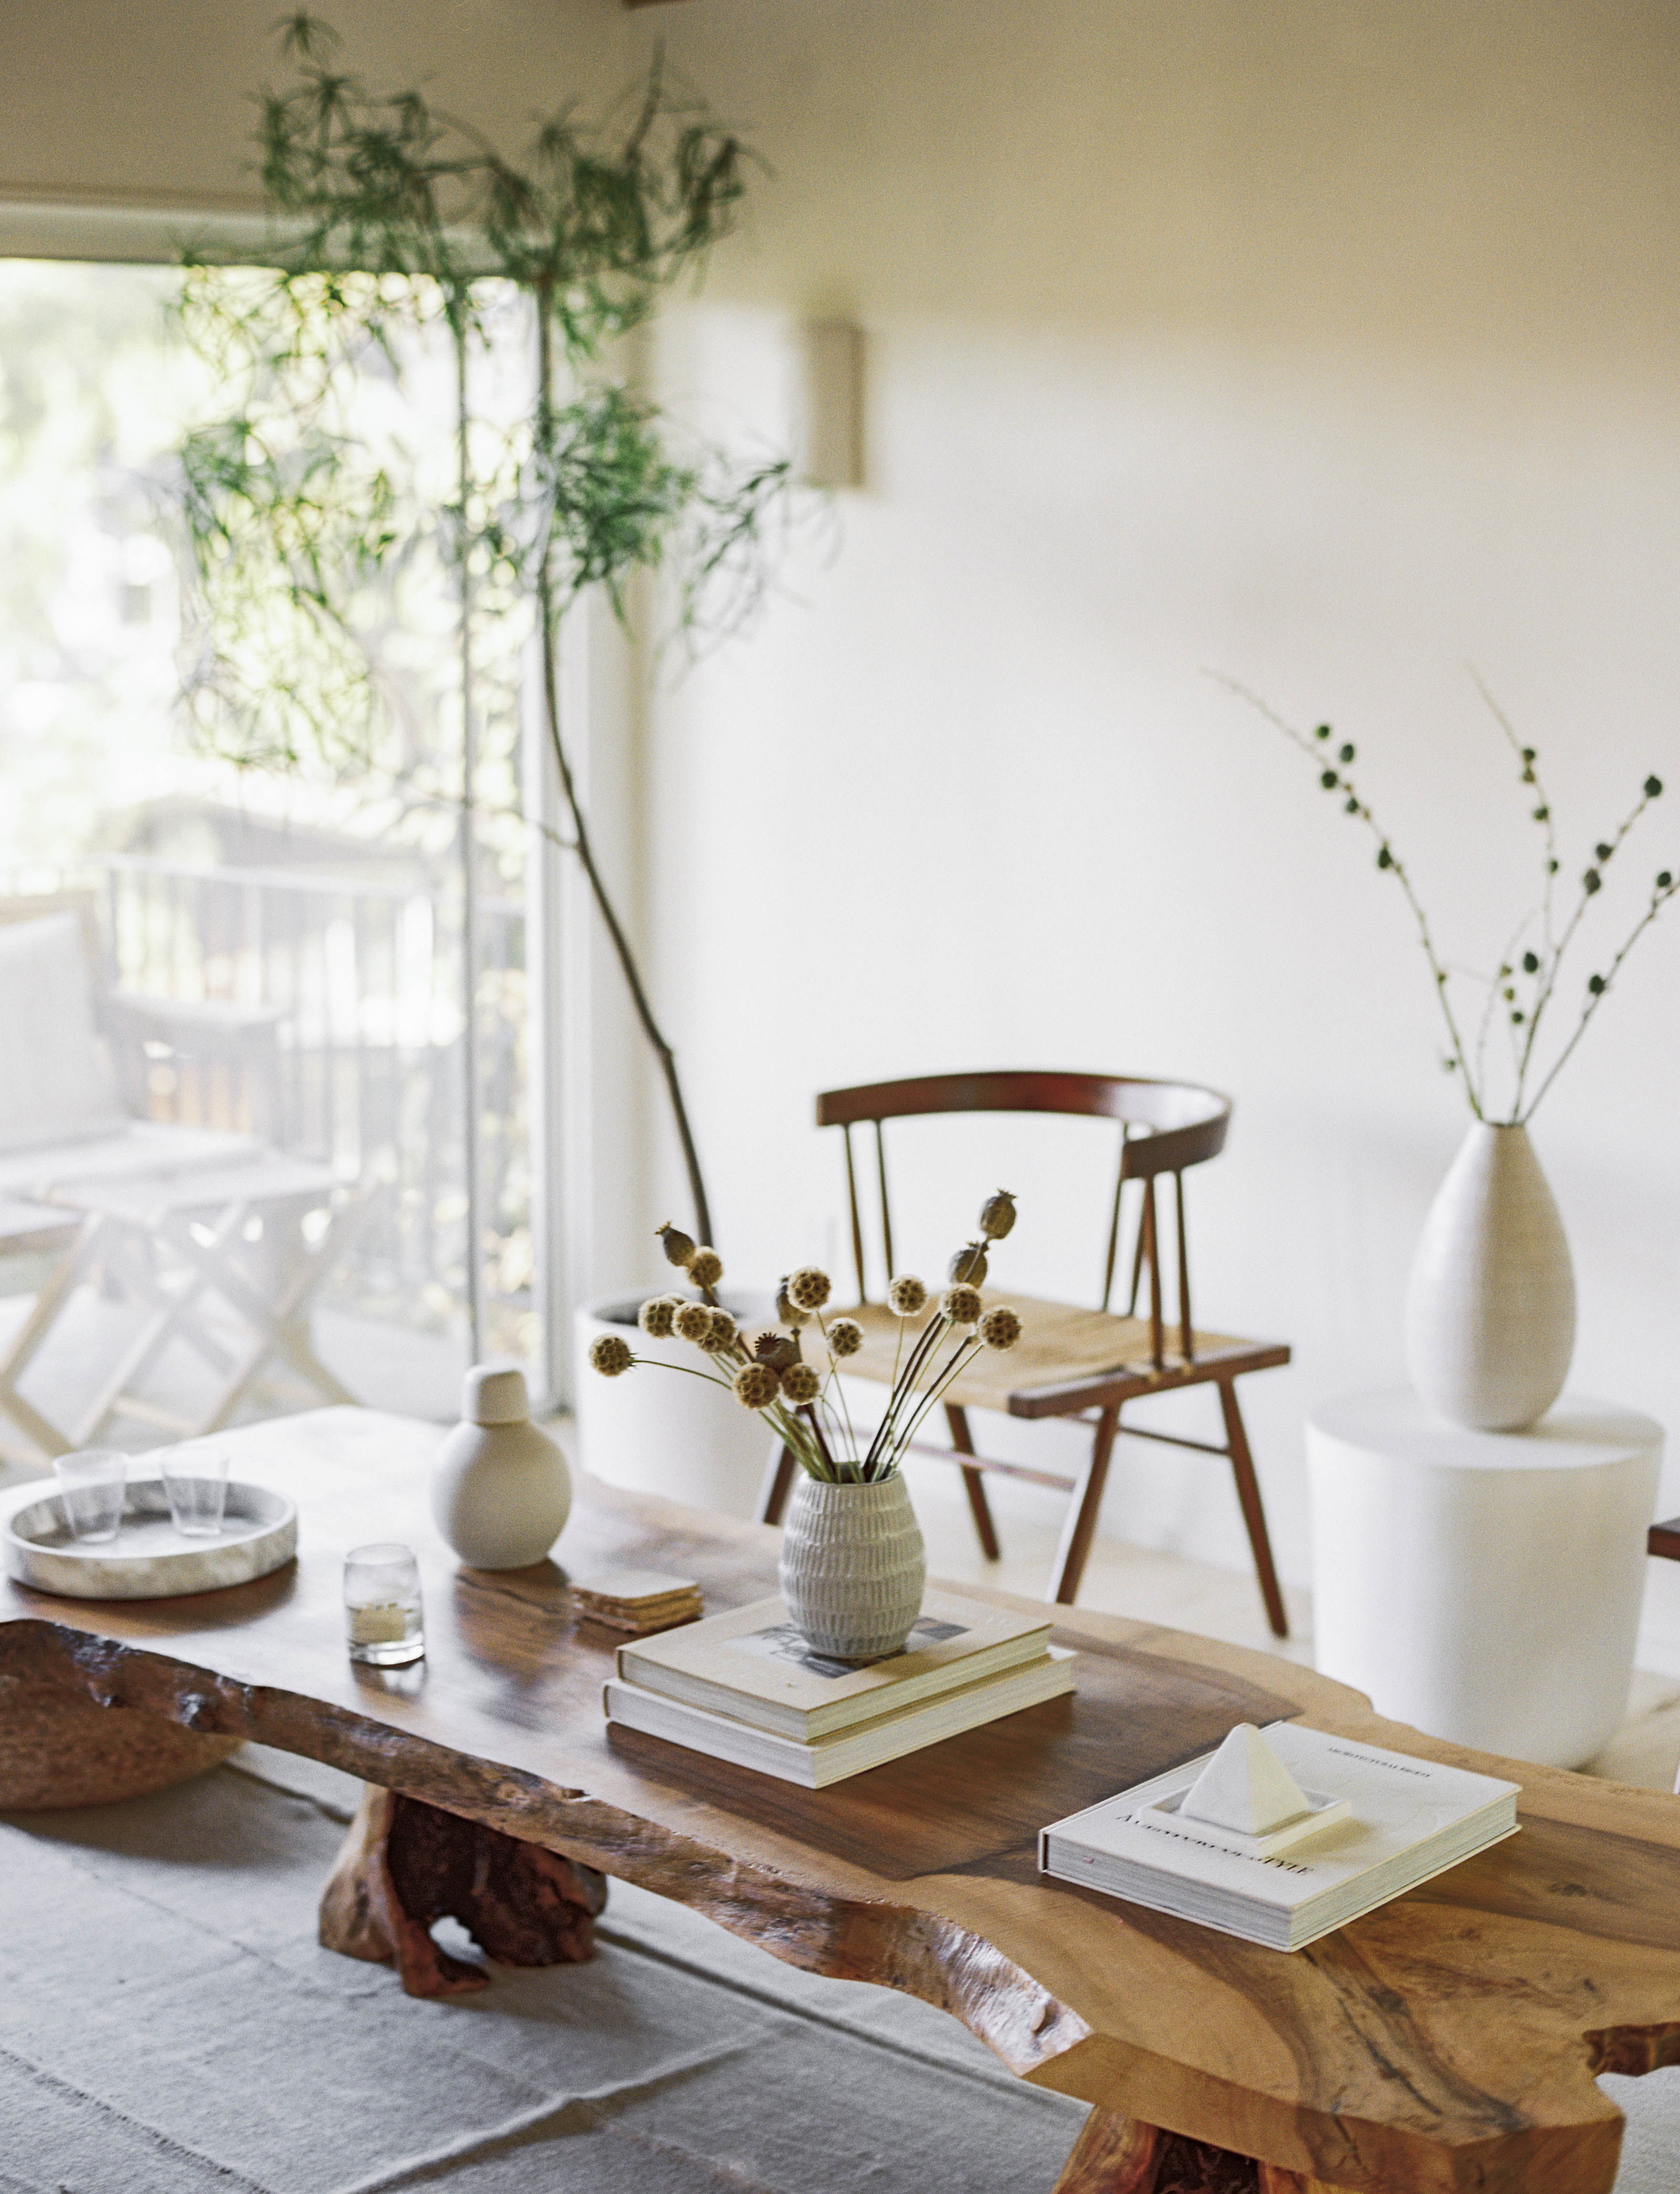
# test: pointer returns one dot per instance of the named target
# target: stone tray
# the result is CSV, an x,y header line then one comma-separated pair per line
x,y
148,1559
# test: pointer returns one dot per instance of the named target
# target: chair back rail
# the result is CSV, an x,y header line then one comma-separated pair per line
x,y
1164,1128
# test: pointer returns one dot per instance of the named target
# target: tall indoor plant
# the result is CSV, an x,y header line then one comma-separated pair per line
x,y
391,217
1490,1314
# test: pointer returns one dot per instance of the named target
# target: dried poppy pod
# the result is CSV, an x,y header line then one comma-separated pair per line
x,y
706,1268
756,1385
787,1310
801,1383
693,1322
780,1349
997,1214
679,1248
610,1354
906,1295
968,1264
655,1316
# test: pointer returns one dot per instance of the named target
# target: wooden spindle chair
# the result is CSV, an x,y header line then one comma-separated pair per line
x,y
1074,1363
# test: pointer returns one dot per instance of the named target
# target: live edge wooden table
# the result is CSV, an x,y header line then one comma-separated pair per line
x,y
1448,2041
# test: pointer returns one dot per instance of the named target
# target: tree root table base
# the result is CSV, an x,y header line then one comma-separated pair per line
x,y
1119,2155
405,1864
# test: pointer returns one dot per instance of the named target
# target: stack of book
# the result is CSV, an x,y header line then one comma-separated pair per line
x,y
1399,1821
745,1687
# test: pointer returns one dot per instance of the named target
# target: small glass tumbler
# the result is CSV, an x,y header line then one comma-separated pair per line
x,y
381,1604
91,1484
195,1478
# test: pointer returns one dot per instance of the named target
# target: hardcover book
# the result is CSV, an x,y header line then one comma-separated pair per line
x,y
841,1753
1405,1820
752,1665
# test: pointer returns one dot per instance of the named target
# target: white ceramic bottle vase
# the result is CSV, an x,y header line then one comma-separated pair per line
x,y
853,1567
1490,1310
501,1491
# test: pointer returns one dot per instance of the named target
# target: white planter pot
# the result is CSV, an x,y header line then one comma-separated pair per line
x,y
1490,1309
853,1567
658,1432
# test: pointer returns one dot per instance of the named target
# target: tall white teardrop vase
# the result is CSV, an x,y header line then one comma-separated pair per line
x,y
853,1567
1490,1309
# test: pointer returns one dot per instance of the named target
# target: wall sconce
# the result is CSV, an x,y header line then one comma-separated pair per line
x,y
829,396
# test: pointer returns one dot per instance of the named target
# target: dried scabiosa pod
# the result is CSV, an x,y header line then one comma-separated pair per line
x,y
756,1385
845,1337
1000,1328
693,1322
655,1316
610,1354
961,1304
801,1383
906,1295
809,1288
722,1333
706,1268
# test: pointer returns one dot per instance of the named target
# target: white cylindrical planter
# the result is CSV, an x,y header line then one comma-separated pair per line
x,y
660,1430
1484,1587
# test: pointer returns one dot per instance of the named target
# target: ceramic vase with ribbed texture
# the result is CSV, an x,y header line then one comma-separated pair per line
x,y
853,1567
1490,1310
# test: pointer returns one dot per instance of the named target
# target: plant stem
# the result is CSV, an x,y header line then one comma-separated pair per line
x,y
1595,998
585,852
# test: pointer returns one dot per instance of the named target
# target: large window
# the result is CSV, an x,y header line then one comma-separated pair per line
x,y
332,900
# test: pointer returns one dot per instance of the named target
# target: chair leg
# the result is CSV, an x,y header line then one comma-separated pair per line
x,y
974,1482
1080,1528
777,1485
1253,1515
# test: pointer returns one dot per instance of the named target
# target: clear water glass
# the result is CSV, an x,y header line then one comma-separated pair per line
x,y
195,1478
90,1485
382,1612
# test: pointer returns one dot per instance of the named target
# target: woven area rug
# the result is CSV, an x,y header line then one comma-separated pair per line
x,y
170,2025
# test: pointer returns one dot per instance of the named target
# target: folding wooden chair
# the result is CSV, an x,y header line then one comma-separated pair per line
x,y
1087,1364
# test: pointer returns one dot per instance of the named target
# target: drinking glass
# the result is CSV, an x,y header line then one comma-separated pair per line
x,y
90,1485
381,1604
195,1478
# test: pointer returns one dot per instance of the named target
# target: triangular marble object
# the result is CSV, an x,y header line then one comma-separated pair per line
x,y
1246,1786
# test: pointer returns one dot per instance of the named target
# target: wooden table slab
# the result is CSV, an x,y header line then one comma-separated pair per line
x,y
1446,2043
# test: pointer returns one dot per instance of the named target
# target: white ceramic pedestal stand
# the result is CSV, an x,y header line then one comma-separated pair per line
x,y
1484,1587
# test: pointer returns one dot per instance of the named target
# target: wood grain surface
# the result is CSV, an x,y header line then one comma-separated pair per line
x,y
1446,2043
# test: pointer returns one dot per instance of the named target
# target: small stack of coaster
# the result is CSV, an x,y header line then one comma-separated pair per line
x,y
637,1601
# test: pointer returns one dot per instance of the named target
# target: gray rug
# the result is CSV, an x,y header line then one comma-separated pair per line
x,y
169,2025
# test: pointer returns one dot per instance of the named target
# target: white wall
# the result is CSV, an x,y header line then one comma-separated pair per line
x,y
1329,346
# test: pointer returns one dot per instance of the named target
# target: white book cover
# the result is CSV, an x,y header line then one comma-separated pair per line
x,y
845,1752
1409,1819
753,1664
